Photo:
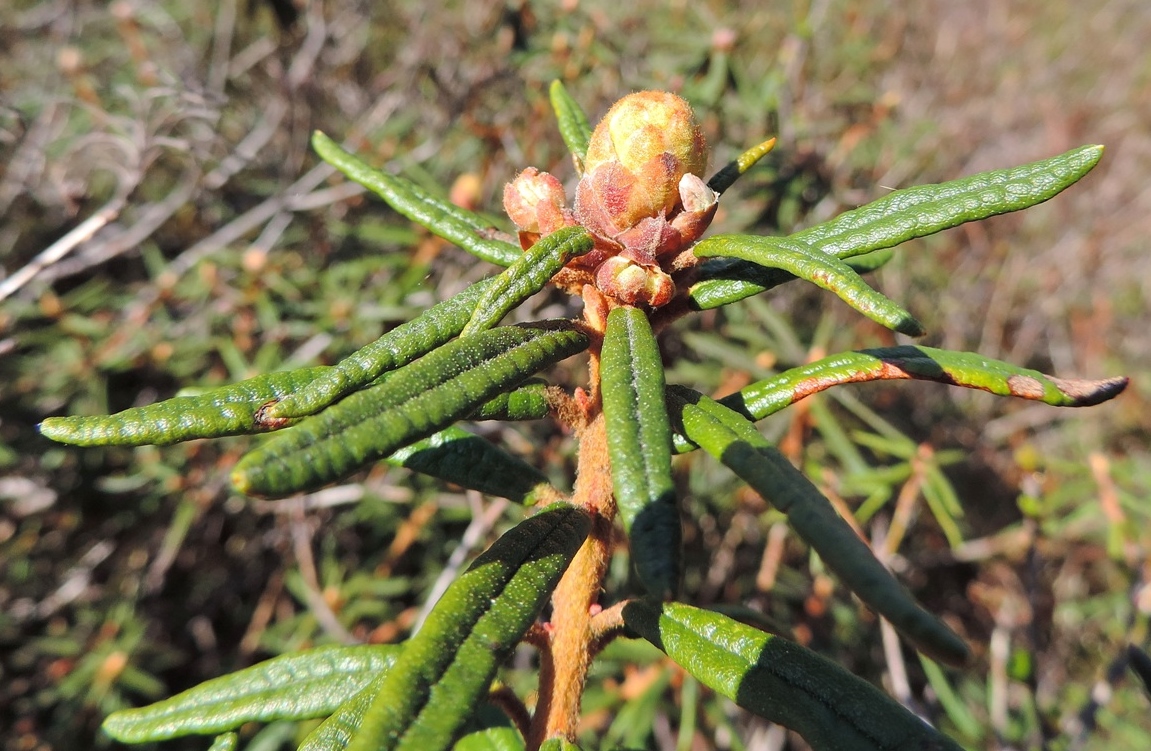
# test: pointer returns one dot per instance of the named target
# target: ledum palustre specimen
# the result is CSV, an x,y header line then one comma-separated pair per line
x,y
628,243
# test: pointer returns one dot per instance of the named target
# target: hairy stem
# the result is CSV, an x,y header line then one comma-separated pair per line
x,y
565,664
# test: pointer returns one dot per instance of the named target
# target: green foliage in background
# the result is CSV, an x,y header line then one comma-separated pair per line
x,y
130,574
418,380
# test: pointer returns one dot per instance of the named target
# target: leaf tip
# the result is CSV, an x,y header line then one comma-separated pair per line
x,y
241,480
117,726
1086,158
270,416
952,652
911,327
321,141
1085,393
61,430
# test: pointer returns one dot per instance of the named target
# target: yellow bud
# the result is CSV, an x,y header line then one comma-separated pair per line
x,y
641,126
635,161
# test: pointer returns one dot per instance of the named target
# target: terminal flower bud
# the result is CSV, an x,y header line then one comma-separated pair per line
x,y
640,196
535,203
635,161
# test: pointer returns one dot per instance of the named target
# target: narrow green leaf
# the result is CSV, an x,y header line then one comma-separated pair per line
x,y
734,170
927,209
634,720
903,215
416,401
446,667
822,270
900,447
223,411
966,369
272,737
639,443
782,682
491,739
528,275
953,705
528,402
727,280
225,742
336,732
297,686
573,123
944,504
689,701
835,437
559,744
466,229
869,262
729,437
398,347
459,457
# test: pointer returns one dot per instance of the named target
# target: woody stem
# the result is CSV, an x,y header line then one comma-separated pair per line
x,y
566,662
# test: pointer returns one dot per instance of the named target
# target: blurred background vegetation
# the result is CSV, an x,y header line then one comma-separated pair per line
x,y
208,245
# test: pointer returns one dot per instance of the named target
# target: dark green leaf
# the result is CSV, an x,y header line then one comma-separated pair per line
x,y
573,123
468,230
639,443
733,440
559,744
447,666
727,280
416,401
228,410
299,686
528,275
398,347
783,682
528,402
336,732
491,739
825,271
903,215
965,369
927,209
457,456
733,170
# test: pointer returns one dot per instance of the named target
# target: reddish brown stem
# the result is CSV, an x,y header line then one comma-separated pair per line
x,y
511,705
564,666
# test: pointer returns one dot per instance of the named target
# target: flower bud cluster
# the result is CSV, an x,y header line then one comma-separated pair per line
x,y
641,196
